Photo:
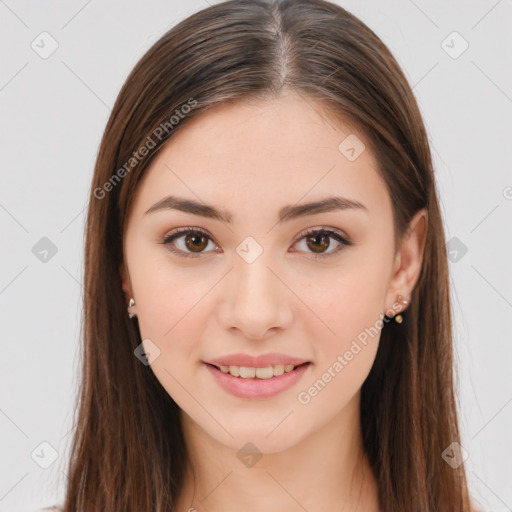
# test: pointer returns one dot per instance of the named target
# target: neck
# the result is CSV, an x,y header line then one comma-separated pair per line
x,y
327,470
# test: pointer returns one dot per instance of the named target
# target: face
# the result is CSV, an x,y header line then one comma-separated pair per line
x,y
261,279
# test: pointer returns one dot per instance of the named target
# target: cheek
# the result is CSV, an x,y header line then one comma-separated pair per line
x,y
347,301
346,325
172,316
174,323
343,358
167,294
173,313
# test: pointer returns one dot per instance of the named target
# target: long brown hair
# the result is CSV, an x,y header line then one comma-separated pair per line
x,y
128,451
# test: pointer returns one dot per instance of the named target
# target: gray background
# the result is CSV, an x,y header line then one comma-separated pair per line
x,y
53,112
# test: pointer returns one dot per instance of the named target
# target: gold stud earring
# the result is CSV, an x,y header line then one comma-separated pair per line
x,y
399,318
130,307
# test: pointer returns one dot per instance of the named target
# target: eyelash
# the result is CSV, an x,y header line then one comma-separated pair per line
x,y
196,231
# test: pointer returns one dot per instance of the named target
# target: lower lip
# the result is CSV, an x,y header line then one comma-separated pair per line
x,y
257,388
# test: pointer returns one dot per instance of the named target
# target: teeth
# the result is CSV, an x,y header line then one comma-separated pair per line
x,y
268,372
235,371
264,373
245,372
278,370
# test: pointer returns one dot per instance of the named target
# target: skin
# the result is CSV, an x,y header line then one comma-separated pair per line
x,y
252,159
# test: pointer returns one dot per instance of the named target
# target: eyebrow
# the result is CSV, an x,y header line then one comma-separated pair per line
x,y
286,213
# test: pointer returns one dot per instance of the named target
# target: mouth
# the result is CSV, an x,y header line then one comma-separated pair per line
x,y
257,383
261,373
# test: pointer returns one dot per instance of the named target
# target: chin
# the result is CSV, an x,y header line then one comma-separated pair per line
x,y
245,438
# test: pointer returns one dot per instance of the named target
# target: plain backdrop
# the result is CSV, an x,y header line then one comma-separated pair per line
x,y
54,108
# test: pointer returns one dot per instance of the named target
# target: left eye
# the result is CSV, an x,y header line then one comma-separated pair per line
x,y
319,239
196,240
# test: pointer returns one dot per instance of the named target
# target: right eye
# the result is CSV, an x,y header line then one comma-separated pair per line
x,y
193,238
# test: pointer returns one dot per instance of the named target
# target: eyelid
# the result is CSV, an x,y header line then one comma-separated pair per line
x,y
326,229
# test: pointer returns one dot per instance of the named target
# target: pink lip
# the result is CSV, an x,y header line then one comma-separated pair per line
x,y
257,388
256,361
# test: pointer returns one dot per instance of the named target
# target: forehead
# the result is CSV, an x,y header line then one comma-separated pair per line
x,y
254,155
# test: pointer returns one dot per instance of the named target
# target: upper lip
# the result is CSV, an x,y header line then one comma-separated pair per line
x,y
260,361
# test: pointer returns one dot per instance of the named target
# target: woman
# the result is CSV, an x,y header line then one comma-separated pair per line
x,y
266,318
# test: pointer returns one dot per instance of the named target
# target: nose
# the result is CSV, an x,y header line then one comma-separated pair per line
x,y
257,303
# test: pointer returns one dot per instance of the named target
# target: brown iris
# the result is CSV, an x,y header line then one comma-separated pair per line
x,y
198,242
318,238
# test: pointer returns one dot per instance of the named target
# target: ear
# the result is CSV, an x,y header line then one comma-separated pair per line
x,y
408,261
127,287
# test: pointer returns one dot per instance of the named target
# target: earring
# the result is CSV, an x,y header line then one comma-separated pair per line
x,y
399,318
130,307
